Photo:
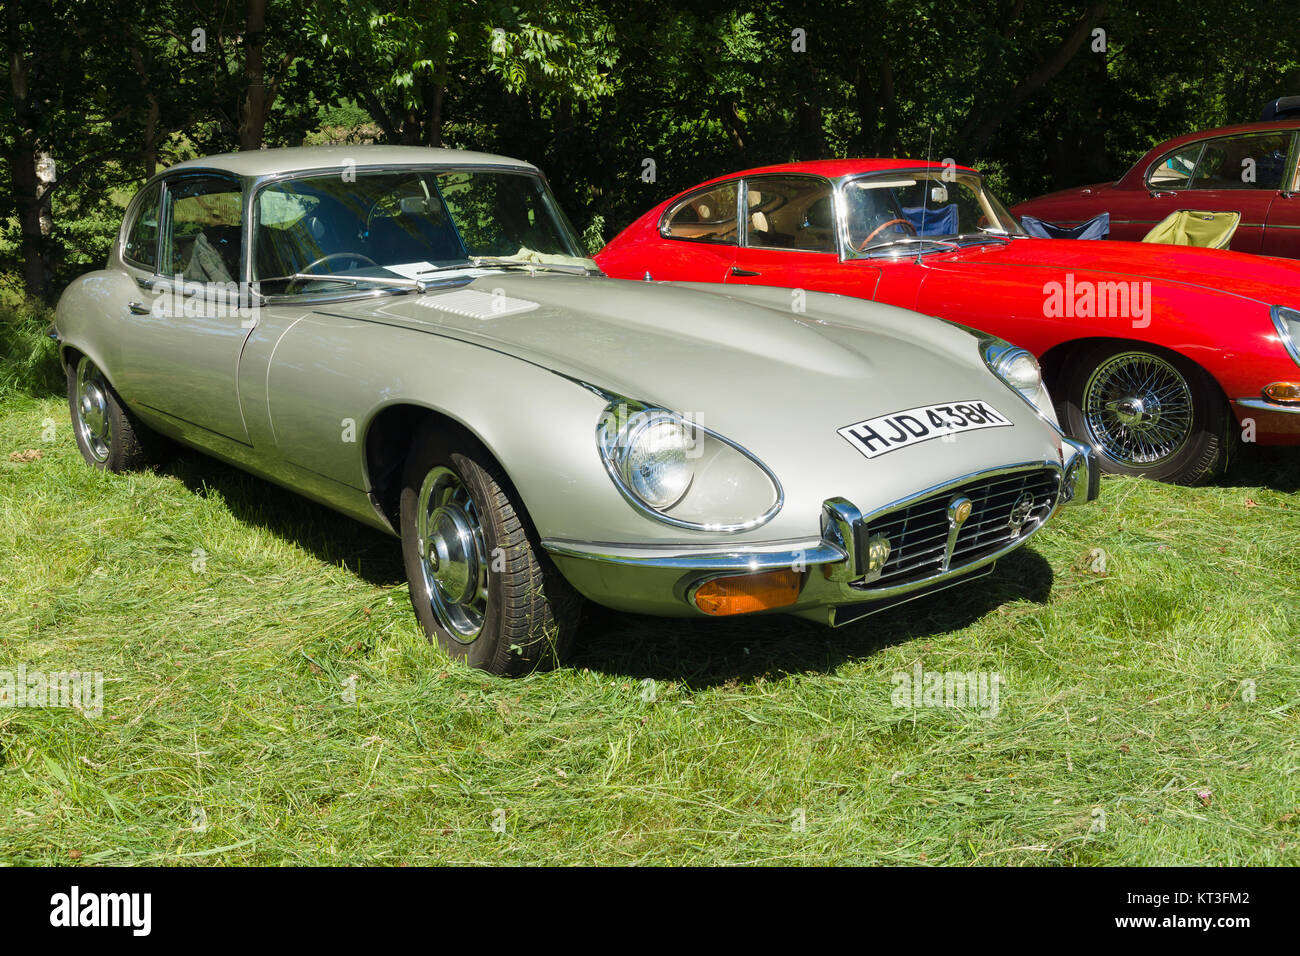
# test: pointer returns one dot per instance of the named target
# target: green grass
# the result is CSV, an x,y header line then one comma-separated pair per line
x,y
224,695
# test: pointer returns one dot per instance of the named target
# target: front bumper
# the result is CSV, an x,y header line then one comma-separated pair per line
x,y
837,581
1271,423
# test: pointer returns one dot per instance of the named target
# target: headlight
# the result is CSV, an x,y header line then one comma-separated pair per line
x,y
682,473
1287,322
654,462
1019,370
1016,367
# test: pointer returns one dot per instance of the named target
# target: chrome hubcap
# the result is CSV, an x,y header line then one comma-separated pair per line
x,y
91,406
452,554
1138,408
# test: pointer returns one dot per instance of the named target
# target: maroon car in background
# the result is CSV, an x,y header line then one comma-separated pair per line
x,y
1250,169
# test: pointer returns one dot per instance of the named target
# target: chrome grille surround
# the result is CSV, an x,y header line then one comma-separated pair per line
x,y
927,540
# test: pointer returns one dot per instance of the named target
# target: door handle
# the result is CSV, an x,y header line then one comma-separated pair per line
x,y
737,271
138,308
1161,193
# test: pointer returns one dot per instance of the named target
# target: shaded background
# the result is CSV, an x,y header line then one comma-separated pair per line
x,y
97,96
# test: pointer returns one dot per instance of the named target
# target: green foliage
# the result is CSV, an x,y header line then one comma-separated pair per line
x,y
29,359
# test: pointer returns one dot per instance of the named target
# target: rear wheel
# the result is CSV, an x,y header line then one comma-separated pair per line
x,y
480,584
109,436
1149,413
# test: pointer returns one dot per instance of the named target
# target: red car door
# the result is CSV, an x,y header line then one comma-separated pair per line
x,y
789,239
695,243
1282,228
1136,207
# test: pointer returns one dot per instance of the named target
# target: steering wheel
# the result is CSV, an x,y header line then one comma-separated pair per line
x,y
356,256
875,232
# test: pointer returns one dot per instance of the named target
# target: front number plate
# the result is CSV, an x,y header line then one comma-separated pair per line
x,y
887,433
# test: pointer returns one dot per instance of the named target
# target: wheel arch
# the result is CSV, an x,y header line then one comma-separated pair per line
x,y
387,444
1056,361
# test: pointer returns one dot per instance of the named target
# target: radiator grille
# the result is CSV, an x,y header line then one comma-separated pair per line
x,y
1004,508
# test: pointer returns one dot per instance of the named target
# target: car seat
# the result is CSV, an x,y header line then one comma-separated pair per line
x,y
1191,227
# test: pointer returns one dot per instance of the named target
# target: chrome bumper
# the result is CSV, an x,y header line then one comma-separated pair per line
x,y
660,579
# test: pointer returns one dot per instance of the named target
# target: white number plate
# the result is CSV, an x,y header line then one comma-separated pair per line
x,y
887,433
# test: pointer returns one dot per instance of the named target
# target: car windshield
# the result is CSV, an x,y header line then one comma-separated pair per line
x,y
396,228
919,212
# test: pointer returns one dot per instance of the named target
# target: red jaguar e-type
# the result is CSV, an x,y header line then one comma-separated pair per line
x,y
1159,356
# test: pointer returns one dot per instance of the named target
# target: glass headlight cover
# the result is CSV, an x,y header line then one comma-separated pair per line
x,y
1287,322
653,461
681,473
1016,367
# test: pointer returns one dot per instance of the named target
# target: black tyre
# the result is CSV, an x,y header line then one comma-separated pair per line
x,y
1148,412
109,435
480,584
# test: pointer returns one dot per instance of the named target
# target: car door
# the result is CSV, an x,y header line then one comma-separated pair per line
x,y
1135,212
1282,228
699,235
789,237
183,340
1240,174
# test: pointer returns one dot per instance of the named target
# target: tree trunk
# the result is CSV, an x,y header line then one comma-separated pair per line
x,y
24,162
433,93
252,113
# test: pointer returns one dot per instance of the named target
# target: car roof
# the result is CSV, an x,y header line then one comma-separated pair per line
x,y
835,168
1279,125
270,162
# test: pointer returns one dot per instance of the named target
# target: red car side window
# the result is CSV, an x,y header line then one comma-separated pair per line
x,y
707,216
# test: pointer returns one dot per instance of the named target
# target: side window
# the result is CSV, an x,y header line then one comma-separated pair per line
x,y
1174,170
1256,161
709,216
204,229
141,246
790,212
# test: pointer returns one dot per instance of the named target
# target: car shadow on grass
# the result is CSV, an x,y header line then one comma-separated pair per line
x,y
698,652
373,556
705,653
1267,467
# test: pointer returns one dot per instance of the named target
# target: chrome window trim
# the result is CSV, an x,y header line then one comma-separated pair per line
x,y
680,201
128,223
1203,144
742,213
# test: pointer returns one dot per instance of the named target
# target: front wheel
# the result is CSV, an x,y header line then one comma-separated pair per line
x,y
108,435
480,585
1148,413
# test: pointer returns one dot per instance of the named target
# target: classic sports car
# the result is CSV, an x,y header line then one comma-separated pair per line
x,y
1249,169
413,337
1150,349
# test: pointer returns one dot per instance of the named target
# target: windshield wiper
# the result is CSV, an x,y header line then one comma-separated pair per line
x,y
908,240
982,237
496,262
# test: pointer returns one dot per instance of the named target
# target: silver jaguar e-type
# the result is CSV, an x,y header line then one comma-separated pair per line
x,y
414,338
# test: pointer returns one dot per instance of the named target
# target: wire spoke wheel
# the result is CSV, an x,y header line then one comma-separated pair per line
x,y
1138,408
453,557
